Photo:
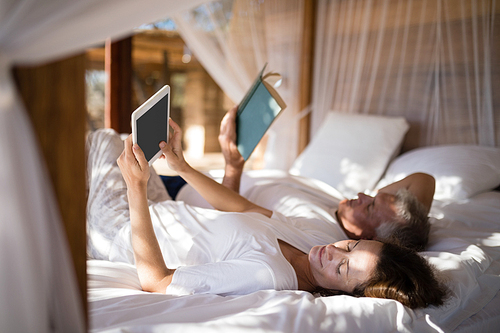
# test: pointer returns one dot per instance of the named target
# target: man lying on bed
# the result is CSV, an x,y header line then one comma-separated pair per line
x,y
397,213
237,249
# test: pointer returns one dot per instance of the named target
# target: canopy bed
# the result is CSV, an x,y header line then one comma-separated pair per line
x,y
392,87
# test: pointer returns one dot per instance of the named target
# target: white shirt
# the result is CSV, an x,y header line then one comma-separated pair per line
x,y
308,204
306,209
214,252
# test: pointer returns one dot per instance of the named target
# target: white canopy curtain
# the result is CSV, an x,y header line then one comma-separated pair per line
x,y
233,39
430,61
38,290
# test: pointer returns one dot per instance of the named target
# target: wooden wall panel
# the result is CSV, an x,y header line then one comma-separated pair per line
x,y
306,71
54,95
118,66
401,80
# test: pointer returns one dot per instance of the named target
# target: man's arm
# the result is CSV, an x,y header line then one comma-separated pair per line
x,y
232,157
419,184
219,196
153,274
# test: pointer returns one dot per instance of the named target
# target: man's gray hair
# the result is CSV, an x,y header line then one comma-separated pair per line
x,y
410,227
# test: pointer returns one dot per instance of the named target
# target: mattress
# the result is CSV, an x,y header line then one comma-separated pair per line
x,y
464,246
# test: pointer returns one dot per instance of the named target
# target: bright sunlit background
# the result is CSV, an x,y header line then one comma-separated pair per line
x,y
159,57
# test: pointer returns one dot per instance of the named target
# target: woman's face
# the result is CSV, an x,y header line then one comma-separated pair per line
x,y
344,265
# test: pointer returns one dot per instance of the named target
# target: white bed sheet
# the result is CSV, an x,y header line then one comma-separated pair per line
x,y
464,245
486,320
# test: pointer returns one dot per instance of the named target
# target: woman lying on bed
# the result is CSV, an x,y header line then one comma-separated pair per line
x,y
242,248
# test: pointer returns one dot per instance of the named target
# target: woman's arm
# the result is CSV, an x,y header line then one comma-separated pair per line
x,y
153,273
219,196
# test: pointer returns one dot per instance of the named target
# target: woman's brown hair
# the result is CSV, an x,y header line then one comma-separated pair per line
x,y
405,276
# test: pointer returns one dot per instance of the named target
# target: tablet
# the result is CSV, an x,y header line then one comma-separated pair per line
x,y
150,124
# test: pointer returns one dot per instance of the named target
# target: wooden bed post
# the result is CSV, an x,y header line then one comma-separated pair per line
x,y
306,71
118,66
56,91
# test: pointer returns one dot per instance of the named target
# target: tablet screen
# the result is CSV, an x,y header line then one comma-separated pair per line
x,y
152,128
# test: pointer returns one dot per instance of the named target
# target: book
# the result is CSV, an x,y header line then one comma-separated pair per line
x,y
257,111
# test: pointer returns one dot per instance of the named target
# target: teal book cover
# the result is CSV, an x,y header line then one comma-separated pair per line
x,y
256,112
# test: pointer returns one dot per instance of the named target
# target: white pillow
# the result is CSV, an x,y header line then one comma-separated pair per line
x,y
351,151
461,171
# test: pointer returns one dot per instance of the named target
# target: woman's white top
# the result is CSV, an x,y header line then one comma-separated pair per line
x,y
214,252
